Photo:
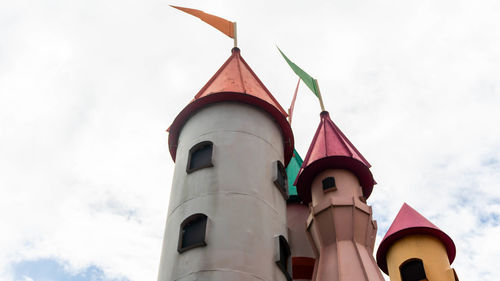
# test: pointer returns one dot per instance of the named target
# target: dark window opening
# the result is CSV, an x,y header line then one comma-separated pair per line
x,y
329,184
200,156
283,256
280,178
412,270
192,232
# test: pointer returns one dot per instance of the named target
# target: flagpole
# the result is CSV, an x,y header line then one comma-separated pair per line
x,y
235,35
292,105
319,95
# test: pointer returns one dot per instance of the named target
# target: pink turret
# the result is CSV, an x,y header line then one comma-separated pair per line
x,y
335,180
331,149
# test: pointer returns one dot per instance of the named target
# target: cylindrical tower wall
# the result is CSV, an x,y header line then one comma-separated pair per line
x,y
245,210
347,186
297,214
301,250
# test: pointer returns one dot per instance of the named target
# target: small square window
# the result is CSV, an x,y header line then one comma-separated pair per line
x,y
329,184
200,156
280,178
412,270
192,232
282,256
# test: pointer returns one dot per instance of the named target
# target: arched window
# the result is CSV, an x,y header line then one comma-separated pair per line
x,y
412,270
192,232
282,255
329,184
200,156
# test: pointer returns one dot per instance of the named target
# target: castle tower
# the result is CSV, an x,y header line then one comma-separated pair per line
x,y
336,181
416,249
227,213
303,259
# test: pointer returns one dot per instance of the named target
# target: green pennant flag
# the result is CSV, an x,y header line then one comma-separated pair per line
x,y
308,80
292,170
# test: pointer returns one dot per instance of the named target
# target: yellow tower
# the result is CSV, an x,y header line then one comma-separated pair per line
x,y
414,249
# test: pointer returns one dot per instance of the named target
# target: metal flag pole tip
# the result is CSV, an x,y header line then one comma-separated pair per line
x,y
235,35
319,95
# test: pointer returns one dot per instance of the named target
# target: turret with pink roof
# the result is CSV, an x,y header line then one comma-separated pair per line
x,y
414,241
335,180
331,149
408,222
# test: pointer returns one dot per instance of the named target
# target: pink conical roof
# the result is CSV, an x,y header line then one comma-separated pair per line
x,y
329,149
237,77
234,81
408,222
330,141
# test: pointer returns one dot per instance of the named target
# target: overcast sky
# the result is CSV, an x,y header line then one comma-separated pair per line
x,y
87,89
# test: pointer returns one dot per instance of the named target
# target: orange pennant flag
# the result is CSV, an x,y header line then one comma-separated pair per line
x,y
223,25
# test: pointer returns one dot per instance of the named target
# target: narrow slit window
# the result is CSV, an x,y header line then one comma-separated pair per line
x,y
412,270
283,255
200,156
192,233
329,184
280,178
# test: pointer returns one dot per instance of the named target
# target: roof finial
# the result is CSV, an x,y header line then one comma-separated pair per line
x,y
235,37
319,95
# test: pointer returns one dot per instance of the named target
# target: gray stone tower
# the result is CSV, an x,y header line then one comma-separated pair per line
x,y
227,213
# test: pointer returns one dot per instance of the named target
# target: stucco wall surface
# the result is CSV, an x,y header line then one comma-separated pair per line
x,y
245,209
342,230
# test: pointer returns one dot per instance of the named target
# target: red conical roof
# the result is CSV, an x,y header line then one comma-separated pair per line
x,y
331,149
234,81
408,222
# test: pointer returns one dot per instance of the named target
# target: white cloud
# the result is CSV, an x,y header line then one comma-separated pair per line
x,y
87,89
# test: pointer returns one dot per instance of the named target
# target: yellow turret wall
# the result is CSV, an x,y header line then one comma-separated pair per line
x,y
424,247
